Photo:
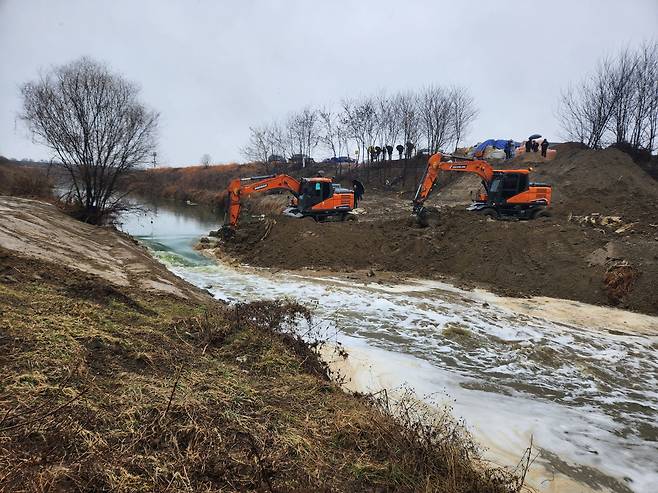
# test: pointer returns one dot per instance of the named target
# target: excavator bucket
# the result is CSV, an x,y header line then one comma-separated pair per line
x,y
427,217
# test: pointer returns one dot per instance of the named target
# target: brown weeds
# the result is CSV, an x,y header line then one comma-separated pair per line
x,y
102,396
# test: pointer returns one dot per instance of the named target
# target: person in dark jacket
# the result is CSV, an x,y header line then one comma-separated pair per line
x,y
400,149
409,149
509,149
535,146
544,148
389,151
359,190
528,145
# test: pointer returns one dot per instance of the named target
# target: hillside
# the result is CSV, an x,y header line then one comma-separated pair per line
x,y
119,376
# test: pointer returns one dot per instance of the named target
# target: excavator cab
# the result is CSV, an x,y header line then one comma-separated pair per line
x,y
507,184
314,191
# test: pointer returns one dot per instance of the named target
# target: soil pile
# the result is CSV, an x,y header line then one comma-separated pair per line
x,y
543,257
604,181
600,245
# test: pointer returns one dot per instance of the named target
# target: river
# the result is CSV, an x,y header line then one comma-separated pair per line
x,y
580,380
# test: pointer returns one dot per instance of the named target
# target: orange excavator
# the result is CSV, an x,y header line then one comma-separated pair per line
x,y
318,197
508,193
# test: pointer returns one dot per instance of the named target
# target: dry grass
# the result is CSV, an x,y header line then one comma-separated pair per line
x,y
24,181
105,388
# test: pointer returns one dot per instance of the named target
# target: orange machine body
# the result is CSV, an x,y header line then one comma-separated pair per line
x,y
312,197
508,192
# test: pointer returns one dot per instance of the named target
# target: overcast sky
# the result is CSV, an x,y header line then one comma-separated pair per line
x,y
213,68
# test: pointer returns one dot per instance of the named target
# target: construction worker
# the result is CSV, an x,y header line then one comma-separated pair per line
x,y
509,149
409,148
535,146
544,148
359,190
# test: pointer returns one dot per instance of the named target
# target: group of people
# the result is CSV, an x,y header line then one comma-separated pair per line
x,y
534,146
377,153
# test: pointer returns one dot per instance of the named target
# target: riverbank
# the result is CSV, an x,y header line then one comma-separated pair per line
x,y
119,375
599,245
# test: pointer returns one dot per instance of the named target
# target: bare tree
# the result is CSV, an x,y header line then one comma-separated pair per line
x,y
205,160
258,147
94,123
464,112
354,122
642,122
302,132
618,103
332,133
435,105
389,124
406,111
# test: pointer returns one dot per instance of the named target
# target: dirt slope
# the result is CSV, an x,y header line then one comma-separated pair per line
x,y
40,230
118,376
578,253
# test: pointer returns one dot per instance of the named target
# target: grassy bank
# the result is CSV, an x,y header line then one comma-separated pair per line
x,y
24,180
116,388
207,185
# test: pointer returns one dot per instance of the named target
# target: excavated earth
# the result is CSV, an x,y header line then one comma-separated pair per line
x,y
599,246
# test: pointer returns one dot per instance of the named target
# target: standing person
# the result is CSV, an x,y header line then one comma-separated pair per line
x,y
389,150
528,145
359,190
535,146
509,149
409,150
544,148
400,149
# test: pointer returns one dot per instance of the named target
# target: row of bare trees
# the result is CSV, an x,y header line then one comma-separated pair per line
x,y
617,104
435,118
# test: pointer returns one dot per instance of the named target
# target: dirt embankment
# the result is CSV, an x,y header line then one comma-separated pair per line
x,y
118,376
600,246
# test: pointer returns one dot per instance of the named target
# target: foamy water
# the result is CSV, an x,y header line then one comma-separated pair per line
x,y
587,397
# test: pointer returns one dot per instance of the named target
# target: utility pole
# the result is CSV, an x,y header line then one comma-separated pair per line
x,y
154,156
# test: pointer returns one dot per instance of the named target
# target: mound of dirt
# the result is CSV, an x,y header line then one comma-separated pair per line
x,y
603,221
545,257
604,181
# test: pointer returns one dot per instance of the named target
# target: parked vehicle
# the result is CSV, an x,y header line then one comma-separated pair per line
x,y
275,158
301,159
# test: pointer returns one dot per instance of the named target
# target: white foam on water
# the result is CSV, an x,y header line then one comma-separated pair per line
x,y
587,397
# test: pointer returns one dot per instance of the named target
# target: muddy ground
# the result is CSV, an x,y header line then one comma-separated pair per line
x,y
600,245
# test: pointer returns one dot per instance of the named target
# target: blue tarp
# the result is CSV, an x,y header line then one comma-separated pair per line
x,y
497,143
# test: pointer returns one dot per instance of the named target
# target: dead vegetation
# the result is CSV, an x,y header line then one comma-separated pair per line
x,y
115,388
24,181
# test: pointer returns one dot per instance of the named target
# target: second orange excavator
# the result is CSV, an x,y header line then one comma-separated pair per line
x,y
507,192
318,197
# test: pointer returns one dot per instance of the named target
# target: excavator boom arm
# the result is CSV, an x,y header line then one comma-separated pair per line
x,y
243,187
435,165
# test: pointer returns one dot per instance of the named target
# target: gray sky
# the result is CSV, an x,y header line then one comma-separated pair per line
x,y
213,68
